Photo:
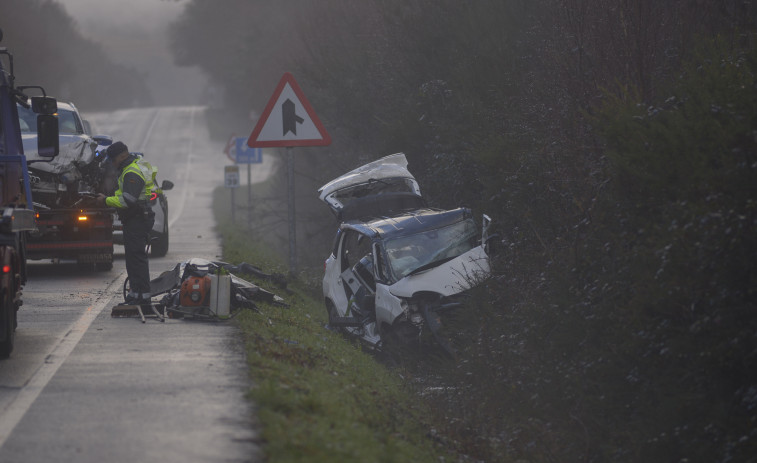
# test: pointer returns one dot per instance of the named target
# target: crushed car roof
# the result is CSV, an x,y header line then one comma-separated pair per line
x,y
409,223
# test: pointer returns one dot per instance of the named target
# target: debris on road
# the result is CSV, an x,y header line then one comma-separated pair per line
x,y
203,290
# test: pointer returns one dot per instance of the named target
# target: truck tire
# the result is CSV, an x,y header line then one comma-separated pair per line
x,y
104,266
7,324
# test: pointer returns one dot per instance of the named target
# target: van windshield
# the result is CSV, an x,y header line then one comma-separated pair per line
x,y
27,119
430,248
68,123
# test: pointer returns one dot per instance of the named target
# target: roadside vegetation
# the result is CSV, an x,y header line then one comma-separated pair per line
x,y
614,145
319,397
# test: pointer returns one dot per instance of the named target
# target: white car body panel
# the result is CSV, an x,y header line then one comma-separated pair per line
x,y
336,294
392,166
388,306
455,276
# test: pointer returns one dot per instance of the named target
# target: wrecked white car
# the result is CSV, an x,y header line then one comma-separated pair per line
x,y
396,265
58,183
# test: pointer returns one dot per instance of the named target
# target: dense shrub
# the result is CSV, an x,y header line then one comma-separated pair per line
x,y
50,51
614,145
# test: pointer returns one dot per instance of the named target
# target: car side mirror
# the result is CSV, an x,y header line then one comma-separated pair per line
x,y
47,136
103,140
166,185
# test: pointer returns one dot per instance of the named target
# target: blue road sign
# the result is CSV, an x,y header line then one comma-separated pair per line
x,y
246,155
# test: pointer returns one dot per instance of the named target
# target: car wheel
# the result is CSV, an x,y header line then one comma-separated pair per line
x,y
159,246
332,313
399,342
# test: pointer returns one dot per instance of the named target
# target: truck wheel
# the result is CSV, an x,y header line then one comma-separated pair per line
x,y
159,247
104,266
8,326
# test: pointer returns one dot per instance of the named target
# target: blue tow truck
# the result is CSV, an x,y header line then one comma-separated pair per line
x,y
18,216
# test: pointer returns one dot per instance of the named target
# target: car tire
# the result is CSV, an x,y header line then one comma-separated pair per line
x,y
331,312
159,246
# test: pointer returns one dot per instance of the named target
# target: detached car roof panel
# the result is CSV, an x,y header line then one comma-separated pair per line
x,y
381,187
394,165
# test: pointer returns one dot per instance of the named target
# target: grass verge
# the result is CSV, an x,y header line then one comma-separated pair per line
x,y
319,397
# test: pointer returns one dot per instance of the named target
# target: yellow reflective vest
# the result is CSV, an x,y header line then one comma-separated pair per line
x,y
146,172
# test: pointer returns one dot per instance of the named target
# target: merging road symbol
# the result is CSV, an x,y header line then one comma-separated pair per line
x,y
289,118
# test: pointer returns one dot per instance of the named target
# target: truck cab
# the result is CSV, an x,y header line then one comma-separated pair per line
x,y
16,207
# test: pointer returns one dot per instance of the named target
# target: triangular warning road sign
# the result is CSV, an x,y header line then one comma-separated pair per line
x,y
288,120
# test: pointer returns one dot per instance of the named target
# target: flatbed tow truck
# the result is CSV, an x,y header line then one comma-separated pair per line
x,y
69,226
84,235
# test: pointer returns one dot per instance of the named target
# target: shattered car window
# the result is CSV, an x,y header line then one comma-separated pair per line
x,y
408,254
356,246
68,123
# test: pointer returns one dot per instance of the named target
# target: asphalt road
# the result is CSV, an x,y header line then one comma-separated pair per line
x,y
81,386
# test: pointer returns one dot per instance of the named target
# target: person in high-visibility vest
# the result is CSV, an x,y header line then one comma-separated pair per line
x,y
131,201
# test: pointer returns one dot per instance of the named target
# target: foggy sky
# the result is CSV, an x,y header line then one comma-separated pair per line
x,y
135,34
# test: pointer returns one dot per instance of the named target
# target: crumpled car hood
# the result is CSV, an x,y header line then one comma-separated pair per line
x,y
459,274
74,149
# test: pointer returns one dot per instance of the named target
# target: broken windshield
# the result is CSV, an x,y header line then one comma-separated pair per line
x,y
408,254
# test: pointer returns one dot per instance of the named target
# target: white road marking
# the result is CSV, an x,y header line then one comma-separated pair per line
x,y
149,131
65,344
187,167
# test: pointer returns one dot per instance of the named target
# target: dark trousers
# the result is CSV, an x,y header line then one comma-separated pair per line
x,y
136,233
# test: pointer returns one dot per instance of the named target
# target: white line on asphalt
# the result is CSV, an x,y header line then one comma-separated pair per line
x,y
149,130
63,348
187,169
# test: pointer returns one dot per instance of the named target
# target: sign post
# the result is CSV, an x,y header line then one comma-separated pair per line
x,y
231,180
243,154
288,120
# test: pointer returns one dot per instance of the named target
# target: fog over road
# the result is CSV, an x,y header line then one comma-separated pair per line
x,y
82,386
